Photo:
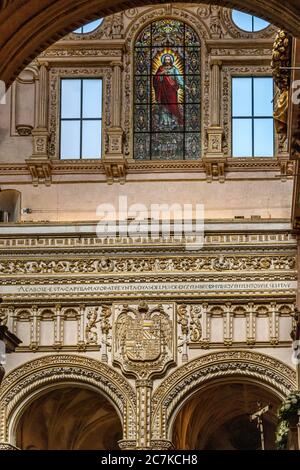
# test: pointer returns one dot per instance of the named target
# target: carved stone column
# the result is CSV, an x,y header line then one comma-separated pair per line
x,y
143,413
114,161
9,342
214,159
39,164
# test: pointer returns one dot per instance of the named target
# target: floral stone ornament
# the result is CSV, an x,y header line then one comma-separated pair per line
x,y
288,415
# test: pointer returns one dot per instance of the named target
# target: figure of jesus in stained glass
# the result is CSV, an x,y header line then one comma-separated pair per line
x,y
167,82
167,92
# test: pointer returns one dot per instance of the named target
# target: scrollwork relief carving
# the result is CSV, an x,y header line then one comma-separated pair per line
x,y
149,264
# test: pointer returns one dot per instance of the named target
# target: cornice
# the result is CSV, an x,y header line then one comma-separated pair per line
x,y
237,43
93,166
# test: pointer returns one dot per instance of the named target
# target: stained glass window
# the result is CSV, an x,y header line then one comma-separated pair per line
x,y
167,92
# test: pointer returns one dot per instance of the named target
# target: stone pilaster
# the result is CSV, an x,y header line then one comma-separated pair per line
x,y
143,413
114,161
214,160
39,164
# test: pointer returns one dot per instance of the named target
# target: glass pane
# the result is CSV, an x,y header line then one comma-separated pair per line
x,y
142,61
192,116
142,146
142,89
141,119
70,98
92,98
167,31
242,138
192,89
166,61
263,138
191,37
263,96
192,60
91,139
241,96
70,139
260,24
144,38
167,146
169,117
192,146
168,89
242,20
88,28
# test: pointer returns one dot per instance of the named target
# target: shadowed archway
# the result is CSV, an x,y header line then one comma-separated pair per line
x,y
69,418
27,383
217,418
28,27
236,366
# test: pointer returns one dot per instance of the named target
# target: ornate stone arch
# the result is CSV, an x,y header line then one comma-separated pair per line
x,y
263,370
29,380
140,22
49,23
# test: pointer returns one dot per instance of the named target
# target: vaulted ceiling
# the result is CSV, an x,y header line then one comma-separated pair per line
x,y
29,26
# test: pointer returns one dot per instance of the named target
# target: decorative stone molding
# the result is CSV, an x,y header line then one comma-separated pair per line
x,y
151,264
239,365
214,168
24,130
161,444
114,163
127,444
25,382
7,446
38,164
40,169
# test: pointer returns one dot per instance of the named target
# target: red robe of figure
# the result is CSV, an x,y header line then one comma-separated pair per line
x,y
167,82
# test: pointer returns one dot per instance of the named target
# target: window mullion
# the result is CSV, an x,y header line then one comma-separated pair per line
x,y
81,116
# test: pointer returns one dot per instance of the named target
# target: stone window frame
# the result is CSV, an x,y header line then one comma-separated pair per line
x,y
140,23
227,73
55,76
236,32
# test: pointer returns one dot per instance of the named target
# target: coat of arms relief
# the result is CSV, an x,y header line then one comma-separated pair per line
x,y
144,338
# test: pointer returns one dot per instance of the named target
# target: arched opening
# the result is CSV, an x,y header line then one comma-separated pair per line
x,y
69,418
218,418
10,205
167,95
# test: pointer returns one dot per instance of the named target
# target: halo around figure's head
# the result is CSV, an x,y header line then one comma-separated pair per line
x,y
164,56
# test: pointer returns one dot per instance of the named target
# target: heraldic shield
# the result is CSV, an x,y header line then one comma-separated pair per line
x,y
144,337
